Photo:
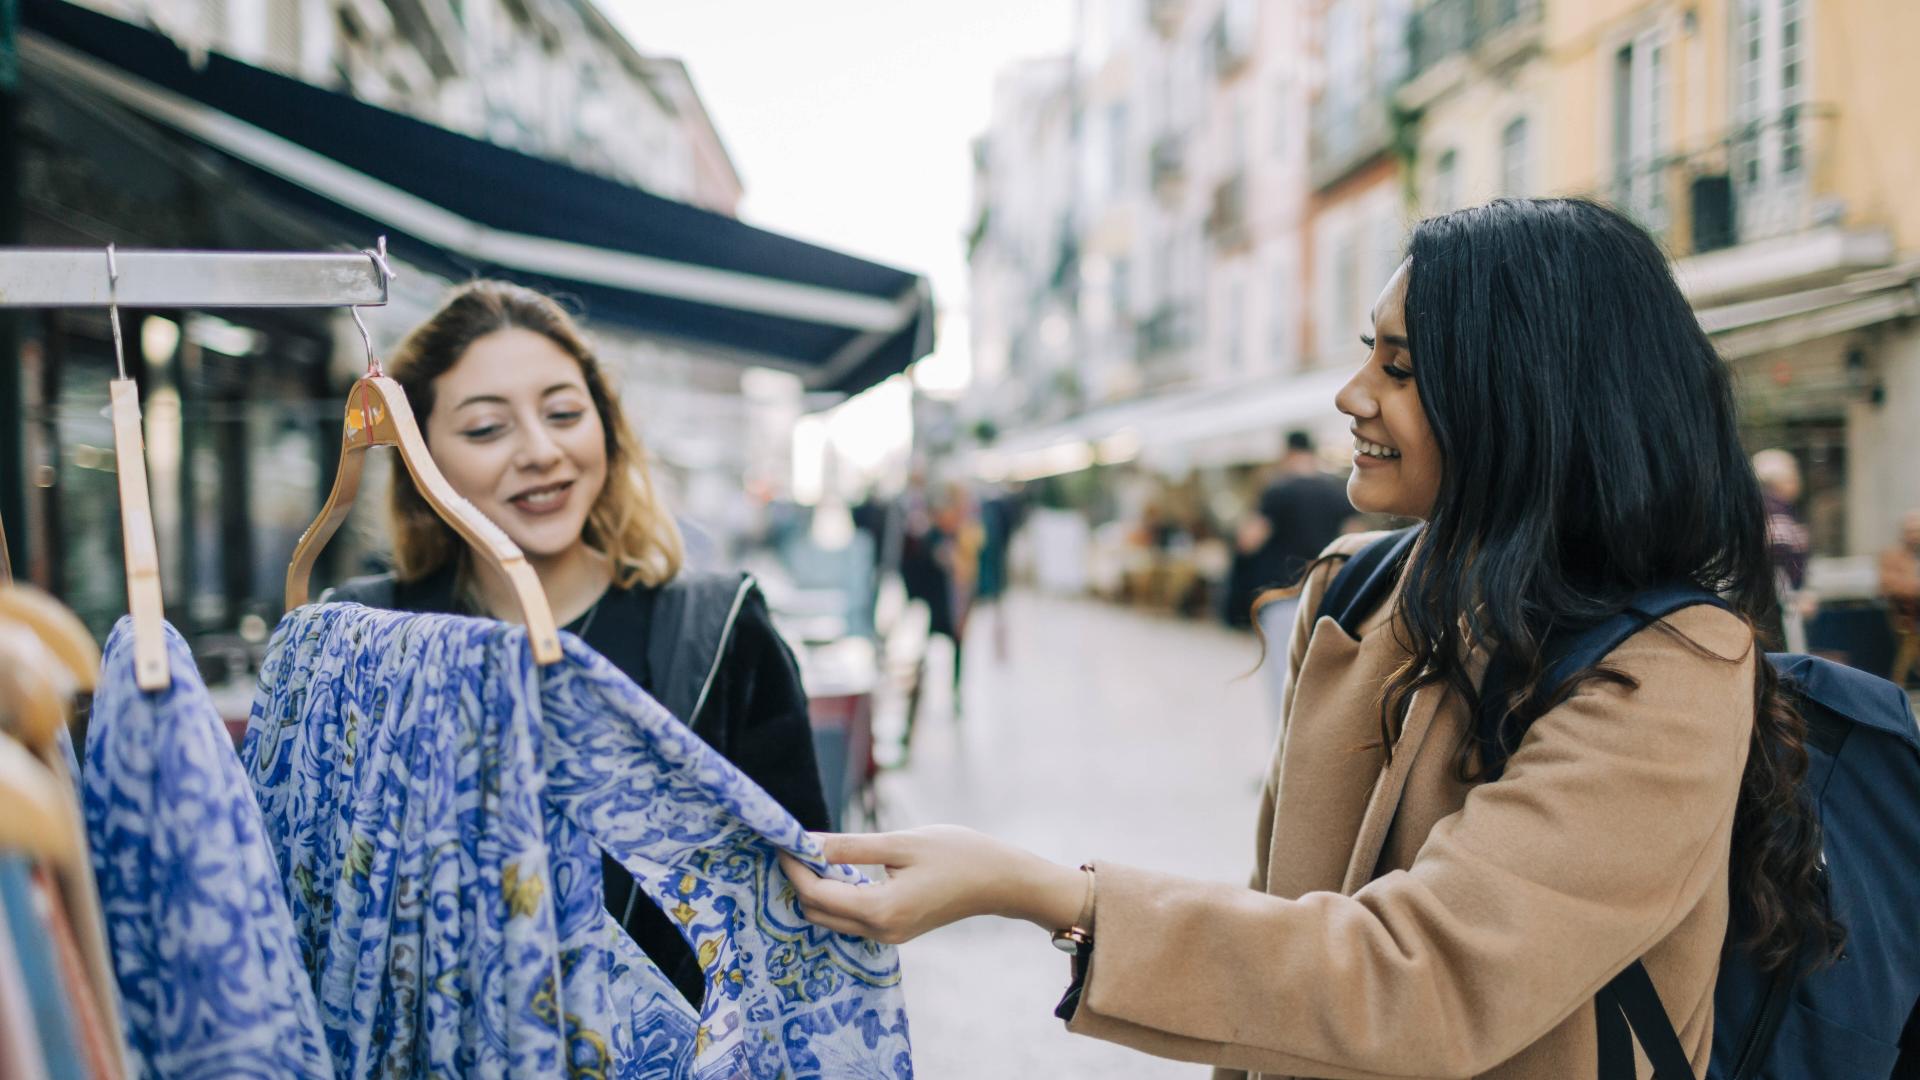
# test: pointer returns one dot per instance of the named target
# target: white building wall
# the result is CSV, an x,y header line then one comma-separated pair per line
x,y
1026,175
1357,244
536,77
1180,106
1883,444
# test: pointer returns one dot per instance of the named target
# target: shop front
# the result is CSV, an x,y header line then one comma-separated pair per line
x,y
126,139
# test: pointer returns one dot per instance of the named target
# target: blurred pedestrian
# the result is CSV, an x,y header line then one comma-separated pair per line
x,y
999,517
1789,545
879,518
926,566
1409,917
1900,586
1299,514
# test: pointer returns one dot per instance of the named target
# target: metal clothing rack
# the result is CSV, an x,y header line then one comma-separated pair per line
x,y
109,278
66,277
377,412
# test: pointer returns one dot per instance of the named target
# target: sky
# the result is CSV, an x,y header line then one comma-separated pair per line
x,y
850,121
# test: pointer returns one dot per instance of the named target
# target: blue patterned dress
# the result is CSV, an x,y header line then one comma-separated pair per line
x,y
203,948
439,806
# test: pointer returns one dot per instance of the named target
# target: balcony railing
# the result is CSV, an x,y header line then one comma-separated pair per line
x,y
1756,181
1164,16
1227,213
1167,329
1168,160
1446,27
1228,45
1343,135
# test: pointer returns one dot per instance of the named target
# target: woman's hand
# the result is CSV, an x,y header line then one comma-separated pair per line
x,y
935,876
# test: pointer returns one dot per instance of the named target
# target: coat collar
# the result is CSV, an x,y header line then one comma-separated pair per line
x,y
1336,792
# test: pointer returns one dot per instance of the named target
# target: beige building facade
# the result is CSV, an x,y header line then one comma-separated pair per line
x,y
1765,143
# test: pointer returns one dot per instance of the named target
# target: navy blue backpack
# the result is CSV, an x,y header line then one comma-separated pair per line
x,y
1853,1018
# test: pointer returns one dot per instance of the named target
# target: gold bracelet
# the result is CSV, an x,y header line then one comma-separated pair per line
x,y
1077,940
1085,921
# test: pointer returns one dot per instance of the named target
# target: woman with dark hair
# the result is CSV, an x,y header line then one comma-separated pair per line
x,y
1536,389
519,416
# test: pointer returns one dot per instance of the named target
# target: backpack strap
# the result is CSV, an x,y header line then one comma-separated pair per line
x,y
1628,1007
1908,1067
693,618
1568,654
1629,1001
1366,579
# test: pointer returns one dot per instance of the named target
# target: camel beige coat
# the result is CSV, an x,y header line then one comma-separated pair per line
x,y
1405,924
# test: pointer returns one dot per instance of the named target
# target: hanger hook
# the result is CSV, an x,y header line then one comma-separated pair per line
x,y
373,362
378,254
113,311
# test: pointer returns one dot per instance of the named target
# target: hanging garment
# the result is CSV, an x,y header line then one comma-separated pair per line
x,y
78,919
90,1029
440,807
27,909
210,976
20,1054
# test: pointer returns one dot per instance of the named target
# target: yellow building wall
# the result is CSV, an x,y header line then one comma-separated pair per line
x,y
1582,38
1864,130
1864,65
1472,121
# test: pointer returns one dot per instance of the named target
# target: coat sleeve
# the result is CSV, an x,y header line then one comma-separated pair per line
x,y
770,734
1612,821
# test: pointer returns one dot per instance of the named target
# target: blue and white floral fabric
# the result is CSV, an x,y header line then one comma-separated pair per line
x,y
439,805
203,948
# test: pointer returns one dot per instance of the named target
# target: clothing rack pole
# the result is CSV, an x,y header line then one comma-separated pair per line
x,y
67,277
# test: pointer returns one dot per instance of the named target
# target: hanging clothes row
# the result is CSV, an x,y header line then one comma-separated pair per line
x,y
59,1010
400,874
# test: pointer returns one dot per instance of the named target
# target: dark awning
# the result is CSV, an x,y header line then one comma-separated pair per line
x,y
465,206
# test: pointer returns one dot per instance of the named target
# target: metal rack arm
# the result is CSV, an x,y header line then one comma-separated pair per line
x,y
49,277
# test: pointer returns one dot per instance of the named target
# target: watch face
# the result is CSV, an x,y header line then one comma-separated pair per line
x,y
1066,944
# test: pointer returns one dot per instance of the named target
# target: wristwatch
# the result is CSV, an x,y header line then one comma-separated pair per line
x,y
1073,941
1077,942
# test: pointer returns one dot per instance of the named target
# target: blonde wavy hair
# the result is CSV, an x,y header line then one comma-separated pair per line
x,y
628,523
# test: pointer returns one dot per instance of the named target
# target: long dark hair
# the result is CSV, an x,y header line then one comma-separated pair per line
x,y
1590,447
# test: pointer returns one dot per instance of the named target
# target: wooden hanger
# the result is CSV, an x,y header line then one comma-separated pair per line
x,y
39,811
57,627
378,415
136,514
34,688
33,818
6,560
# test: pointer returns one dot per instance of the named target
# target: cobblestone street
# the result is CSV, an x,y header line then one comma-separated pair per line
x,y
1105,733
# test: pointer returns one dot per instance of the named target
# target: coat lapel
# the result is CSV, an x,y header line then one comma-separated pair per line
x,y
1336,794
1330,758
1435,710
1388,789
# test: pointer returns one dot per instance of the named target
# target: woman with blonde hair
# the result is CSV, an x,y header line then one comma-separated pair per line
x,y
518,414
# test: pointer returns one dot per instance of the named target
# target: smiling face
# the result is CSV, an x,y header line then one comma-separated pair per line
x,y
1396,462
515,430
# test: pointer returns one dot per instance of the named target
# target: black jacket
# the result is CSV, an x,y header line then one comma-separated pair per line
x,y
712,657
